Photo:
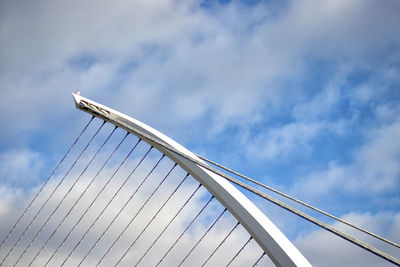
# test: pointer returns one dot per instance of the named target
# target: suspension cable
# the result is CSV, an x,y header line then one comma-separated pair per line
x,y
165,228
202,237
318,223
240,250
98,195
355,241
220,244
47,200
184,231
258,260
65,196
102,212
148,224
82,194
45,183
300,202
133,218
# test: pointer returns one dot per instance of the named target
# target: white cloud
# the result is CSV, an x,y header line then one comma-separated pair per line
x,y
325,249
20,167
375,169
319,106
280,141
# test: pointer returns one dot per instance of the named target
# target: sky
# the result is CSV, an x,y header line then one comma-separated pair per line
x,y
303,96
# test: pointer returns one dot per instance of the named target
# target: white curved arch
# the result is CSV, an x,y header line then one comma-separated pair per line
x,y
275,244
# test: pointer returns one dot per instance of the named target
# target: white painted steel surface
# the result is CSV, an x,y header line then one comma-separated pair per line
x,y
275,244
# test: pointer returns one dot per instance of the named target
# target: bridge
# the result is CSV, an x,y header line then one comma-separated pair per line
x,y
125,194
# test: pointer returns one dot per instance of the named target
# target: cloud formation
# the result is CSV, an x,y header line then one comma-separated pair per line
x,y
303,95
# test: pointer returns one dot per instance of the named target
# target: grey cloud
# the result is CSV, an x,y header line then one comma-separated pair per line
x,y
324,249
10,210
203,66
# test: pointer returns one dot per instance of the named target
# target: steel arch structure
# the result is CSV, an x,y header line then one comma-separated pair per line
x,y
274,243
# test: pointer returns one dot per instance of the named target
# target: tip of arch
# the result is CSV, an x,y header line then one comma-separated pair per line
x,y
77,97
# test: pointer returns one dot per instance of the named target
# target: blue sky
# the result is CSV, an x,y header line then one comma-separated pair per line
x,y
302,95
